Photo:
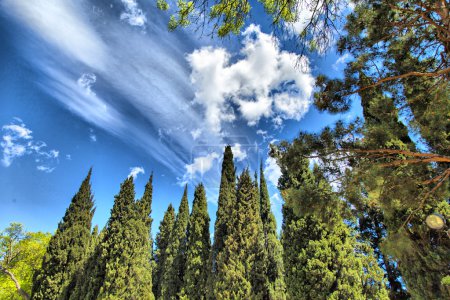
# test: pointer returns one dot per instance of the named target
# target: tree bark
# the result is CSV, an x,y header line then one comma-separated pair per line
x,y
16,283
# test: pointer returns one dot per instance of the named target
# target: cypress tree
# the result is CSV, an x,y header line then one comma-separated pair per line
x,y
238,265
322,258
67,249
173,276
162,241
227,188
274,281
120,266
198,268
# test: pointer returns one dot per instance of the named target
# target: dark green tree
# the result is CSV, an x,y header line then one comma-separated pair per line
x,y
198,267
68,248
322,257
173,277
119,268
239,265
274,281
226,200
162,241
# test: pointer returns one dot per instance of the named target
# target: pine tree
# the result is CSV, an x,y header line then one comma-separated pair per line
x,y
238,265
198,268
173,276
274,284
67,249
162,241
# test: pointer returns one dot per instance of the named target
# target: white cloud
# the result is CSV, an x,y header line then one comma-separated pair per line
x,y
276,200
272,171
135,171
341,61
263,83
196,133
133,14
86,81
17,141
200,165
68,157
92,135
63,26
238,153
45,169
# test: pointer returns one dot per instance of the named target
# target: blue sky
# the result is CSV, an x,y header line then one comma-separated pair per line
x,y
104,84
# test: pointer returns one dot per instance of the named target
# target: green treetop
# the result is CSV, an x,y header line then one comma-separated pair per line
x,y
274,282
198,267
162,242
67,249
173,277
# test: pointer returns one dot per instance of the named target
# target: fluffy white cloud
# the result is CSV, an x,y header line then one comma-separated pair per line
x,y
17,141
135,171
133,14
263,83
86,81
238,153
201,165
272,171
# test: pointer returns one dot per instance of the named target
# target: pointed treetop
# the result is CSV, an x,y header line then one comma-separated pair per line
x,y
228,169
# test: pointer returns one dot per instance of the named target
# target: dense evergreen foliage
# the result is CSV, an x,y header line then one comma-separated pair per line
x,y
198,266
162,241
67,249
172,281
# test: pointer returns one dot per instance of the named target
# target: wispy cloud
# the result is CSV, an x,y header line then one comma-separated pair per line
x,y
135,171
17,141
263,83
92,135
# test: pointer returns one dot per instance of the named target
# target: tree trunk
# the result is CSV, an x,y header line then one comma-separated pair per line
x,y
17,284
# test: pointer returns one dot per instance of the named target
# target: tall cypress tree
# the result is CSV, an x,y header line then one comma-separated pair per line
x,y
238,274
274,285
119,267
322,258
198,268
227,188
68,248
173,276
162,242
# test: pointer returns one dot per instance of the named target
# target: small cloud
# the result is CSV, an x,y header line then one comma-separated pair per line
x,y
264,134
45,169
196,133
272,171
17,141
68,157
341,61
86,81
135,171
201,165
276,200
133,14
238,153
92,135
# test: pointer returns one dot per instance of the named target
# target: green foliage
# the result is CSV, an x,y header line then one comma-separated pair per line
x,y
173,277
67,249
323,261
20,255
198,266
182,16
239,264
119,268
274,286
162,241
226,201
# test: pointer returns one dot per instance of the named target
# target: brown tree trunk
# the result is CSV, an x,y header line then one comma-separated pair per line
x,y
17,284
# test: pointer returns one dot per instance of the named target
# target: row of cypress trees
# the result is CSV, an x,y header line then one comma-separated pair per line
x,y
246,260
